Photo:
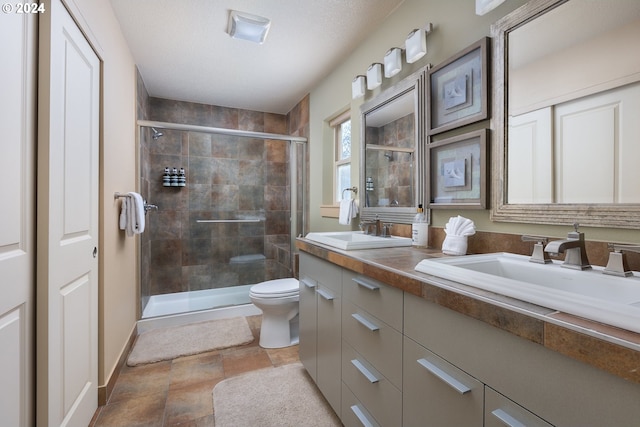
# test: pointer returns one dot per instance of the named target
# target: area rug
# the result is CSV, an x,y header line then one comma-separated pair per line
x,y
168,343
272,397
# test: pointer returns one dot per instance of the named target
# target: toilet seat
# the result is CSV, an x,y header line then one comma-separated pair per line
x,y
279,288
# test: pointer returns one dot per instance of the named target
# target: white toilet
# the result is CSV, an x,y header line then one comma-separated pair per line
x,y
278,299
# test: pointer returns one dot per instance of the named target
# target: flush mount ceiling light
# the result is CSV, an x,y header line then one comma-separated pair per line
x,y
392,62
245,26
416,44
374,76
357,87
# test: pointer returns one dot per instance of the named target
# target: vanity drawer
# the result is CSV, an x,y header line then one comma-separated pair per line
x,y
354,414
383,301
321,271
436,393
377,394
378,342
500,411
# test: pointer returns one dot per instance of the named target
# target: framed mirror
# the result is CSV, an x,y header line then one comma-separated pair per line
x,y
392,152
566,81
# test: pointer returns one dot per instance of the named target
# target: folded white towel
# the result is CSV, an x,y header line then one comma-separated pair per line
x,y
138,213
132,218
123,213
457,230
348,210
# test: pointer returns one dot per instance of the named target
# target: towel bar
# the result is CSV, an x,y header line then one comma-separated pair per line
x,y
147,206
353,189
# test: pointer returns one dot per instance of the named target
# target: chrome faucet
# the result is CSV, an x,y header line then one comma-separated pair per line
x,y
617,264
574,249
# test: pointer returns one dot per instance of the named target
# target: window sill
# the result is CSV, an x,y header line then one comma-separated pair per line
x,y
330,211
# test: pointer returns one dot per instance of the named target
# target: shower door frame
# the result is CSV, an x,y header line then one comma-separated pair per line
x,y
295,142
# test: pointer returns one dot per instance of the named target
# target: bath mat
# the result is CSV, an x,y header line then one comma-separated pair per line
x,y
176,341
272,397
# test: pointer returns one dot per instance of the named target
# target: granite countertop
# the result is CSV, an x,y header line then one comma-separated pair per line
x,y
612,349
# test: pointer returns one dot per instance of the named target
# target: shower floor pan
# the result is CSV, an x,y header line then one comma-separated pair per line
x,y
184,302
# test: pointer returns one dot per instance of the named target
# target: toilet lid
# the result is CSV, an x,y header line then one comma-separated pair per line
x,y
276,288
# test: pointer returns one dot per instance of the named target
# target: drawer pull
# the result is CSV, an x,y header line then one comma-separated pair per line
x,y
365,322
324,294
446,378
507,419
362,417
307,283
364,371
366,284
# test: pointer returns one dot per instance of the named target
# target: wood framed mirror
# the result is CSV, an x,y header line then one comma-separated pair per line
x,y
566,98
392,165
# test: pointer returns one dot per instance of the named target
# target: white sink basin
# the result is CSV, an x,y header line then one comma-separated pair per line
x,y
350,240
589,294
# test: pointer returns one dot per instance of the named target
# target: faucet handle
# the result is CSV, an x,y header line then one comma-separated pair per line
x,y
617,263
539,255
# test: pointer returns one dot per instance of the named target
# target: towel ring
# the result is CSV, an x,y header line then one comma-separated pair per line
x,y
352,189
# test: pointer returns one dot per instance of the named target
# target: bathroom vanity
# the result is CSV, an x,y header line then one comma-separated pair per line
x,y
399,347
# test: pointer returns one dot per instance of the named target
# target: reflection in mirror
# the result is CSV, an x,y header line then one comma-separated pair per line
x,y
391,152
567,128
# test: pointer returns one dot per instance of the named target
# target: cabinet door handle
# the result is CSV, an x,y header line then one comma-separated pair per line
x,y
446,378
365,284
324,294
307,283
362,417
364,371
365,322
507,419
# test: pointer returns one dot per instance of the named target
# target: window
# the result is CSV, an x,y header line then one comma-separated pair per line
x,y
342,150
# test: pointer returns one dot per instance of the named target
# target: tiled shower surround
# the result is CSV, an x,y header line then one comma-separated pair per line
x,y
228,178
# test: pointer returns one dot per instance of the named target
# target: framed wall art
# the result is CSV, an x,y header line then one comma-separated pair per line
x,y
458,175
458,89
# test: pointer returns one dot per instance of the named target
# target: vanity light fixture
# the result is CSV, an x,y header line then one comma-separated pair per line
x,y
374,75
416,43
392,62
358,87
245,26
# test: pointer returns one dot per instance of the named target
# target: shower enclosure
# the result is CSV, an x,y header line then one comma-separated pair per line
x,y
234,222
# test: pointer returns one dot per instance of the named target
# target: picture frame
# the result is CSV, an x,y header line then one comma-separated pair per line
x,y
457,90
458,171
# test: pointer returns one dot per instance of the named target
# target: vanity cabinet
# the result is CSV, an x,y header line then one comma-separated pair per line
x,y
371,351
382,357
320,347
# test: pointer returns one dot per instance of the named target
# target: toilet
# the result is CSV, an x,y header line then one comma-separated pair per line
x,y
278,299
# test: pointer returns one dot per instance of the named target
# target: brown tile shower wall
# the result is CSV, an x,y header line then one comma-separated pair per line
x,y
225,180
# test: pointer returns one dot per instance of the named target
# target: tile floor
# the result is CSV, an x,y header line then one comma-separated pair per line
x,y
179,392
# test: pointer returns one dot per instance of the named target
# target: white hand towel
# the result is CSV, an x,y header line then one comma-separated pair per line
x,y
457,230
137,213
123,213
348,210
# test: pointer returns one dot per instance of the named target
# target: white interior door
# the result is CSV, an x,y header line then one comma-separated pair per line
x,y
67,273
17,224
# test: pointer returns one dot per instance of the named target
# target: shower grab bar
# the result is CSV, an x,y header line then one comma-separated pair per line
x,y
227,220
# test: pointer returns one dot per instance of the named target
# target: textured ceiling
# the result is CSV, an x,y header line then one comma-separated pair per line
x,y
183,51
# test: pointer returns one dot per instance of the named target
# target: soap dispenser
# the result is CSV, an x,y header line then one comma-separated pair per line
x,y
420,229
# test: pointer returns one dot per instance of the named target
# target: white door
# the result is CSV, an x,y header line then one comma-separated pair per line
x,y
17,222
67,272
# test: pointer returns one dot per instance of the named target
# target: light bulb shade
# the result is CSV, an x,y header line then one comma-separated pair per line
x,y
392,62
245,26
374,76
358,87
416,45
